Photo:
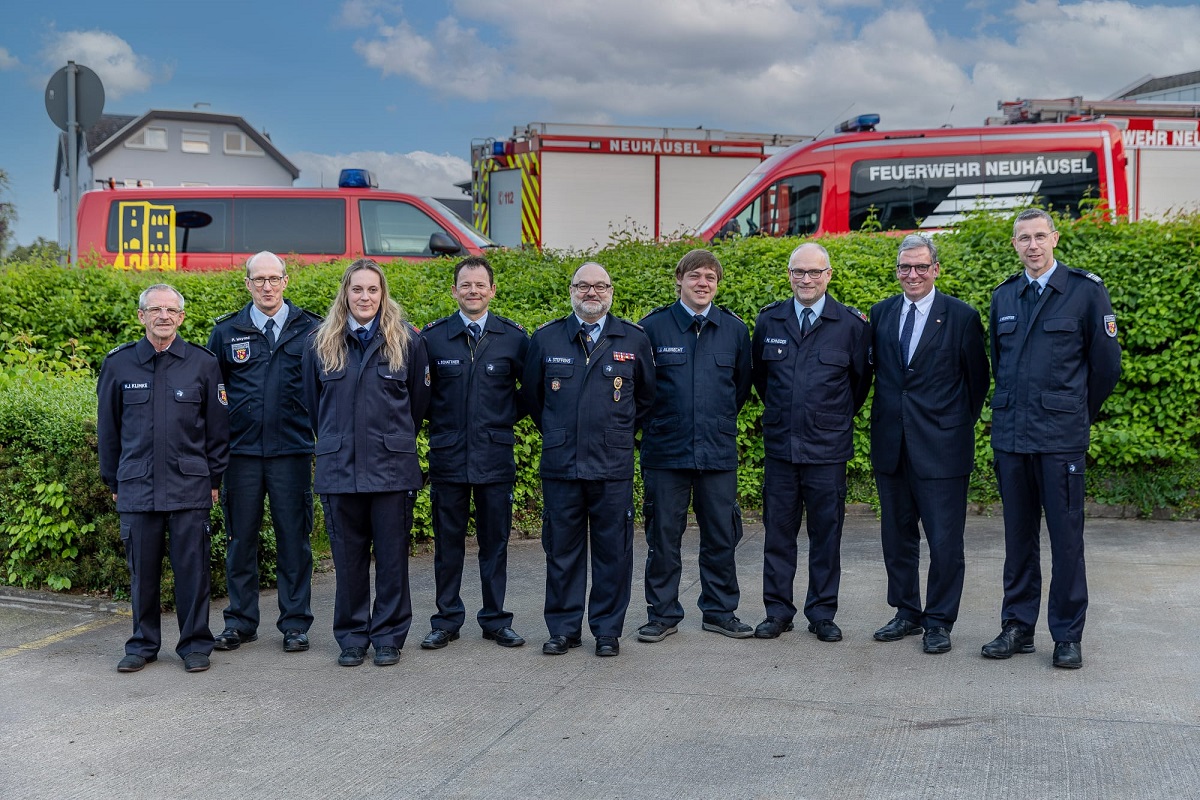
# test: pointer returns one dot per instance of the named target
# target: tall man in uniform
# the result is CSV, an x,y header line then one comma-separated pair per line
x,y
163,430
588,384
1056,359
689,449
812,370
475,360
931,377
260,349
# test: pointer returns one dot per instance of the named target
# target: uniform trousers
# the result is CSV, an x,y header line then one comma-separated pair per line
x,y
940,506
1029,484
790,490
668,494
451,503
576,511
145,537
287,482
357,524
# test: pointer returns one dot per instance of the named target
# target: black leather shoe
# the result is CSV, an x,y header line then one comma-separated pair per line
x,y
352,656
134,663
438,638
558,645
295,641
607,646
936,640
1013,639
386,656
232,639
1068,655
771,627
826,630
896,630
655,631
195,662
733,627
505,637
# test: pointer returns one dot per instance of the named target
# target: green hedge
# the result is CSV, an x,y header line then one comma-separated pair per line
x,y
1144,446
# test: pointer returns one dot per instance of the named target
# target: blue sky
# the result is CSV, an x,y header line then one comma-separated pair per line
x,y
403,87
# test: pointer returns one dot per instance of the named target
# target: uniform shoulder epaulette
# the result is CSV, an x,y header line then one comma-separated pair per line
x,y
120,347
1089,275
202,347
1009,279
224,317
415,329
656,310
628,322
511,322
769,306
434,323
731,312
552,321
315,317
857,313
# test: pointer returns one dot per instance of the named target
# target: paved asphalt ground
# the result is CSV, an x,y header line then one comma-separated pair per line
x,y
695,716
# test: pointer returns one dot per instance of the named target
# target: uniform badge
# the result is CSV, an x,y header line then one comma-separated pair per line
x,y
618,382
222,396
616,395
555,385
617,356
240,352
427,380
491,367
1110,324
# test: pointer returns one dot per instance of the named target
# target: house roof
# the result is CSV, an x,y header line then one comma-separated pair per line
x,y
1149,85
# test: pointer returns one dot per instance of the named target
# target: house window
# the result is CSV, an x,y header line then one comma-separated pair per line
x,y
148,139
194,142
239,144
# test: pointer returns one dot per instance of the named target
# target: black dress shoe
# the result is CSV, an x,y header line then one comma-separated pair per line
x,y
558,645
134,663
607,646
826,630
936,640
896,630
232,639
352,656
295,641
385,656
505,637
438,638
771,627
1012,640
195,662
732,627
655,631
1068,655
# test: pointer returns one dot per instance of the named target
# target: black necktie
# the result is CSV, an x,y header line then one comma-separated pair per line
x,y
588,329
473,333
269,330
806,322
1032,292
698,321
906,333
364,336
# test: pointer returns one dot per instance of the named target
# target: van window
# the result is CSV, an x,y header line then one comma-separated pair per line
x,y
395,228
315,225
135,226
790,207
938,191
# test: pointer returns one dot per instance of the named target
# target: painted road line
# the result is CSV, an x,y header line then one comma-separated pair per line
x,y
61,636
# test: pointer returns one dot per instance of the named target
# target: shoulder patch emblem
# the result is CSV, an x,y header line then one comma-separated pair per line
x,y
222,395
428,379
1110,324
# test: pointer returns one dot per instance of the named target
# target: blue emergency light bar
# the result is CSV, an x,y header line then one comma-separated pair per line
x,y
357,179
861,124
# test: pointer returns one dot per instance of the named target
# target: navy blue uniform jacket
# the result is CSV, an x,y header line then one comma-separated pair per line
x,y
701,385
267,415
163,426
811,388
474,399
366,417
1055,369
588,409
932,404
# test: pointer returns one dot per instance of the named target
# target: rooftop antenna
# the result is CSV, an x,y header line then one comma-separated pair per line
x,y
197,106
835,116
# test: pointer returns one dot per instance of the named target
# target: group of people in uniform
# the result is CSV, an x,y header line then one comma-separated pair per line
x,y
183,427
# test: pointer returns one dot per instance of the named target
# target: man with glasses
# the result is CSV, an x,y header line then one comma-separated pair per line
x,y
260,349
475,360
812,370
1056,359
588,385
931,376
163,439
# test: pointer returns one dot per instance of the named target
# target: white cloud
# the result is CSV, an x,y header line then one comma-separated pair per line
x,y
418,172
8,60
120,69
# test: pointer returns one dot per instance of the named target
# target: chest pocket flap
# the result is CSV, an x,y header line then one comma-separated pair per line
x,y
497,368
668,359
1061,325
187,394
834,358
560,370
388,374
134,396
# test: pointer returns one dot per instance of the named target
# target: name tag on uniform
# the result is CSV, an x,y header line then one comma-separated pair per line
x,y
1008,318
135,386
559,360
669,350
449,362
776,341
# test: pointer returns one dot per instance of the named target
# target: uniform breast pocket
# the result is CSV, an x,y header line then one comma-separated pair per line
x,y
497,369
774,352
724,360
834,359
392,380
1006,327
670,359
295,347
452,370
134,397
186,394
621,377
557,373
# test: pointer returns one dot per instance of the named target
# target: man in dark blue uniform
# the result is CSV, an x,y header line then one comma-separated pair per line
x,y
588,384
689,450
812,370
931,377
163,431
475,360
1056,359
260,349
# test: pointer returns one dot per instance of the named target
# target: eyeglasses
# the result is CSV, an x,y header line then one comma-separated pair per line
x,y
920,269
274,280
585,288
154,311
1041,238
811,274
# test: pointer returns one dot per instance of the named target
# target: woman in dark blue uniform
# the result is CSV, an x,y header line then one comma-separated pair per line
x,y
366,382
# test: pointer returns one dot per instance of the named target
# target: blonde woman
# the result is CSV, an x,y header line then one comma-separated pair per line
x,y
366,382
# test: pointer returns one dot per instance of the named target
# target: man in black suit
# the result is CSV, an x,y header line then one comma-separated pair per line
x,y
931,376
